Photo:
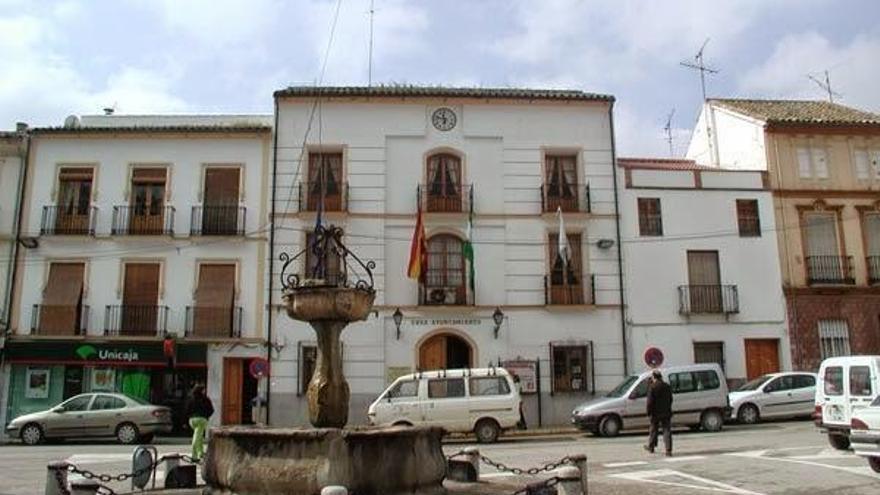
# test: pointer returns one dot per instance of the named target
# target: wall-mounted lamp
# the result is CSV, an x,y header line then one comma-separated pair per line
x,y
605,243
29,242
398,319
498,318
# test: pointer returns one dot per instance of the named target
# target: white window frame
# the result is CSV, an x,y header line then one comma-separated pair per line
x,y
833,338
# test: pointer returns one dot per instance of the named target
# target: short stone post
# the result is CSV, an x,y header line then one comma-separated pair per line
x,y
84,487
465,467
569,481
334,490
580,462
56,478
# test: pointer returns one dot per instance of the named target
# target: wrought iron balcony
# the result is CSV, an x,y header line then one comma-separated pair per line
x,y
451,199
559,292
708,299
829,270
206,321
873,264
335,196
64,220
218,220
574,198
136,320
137,220
50,319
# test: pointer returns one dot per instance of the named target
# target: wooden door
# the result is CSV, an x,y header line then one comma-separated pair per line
x,y
233,379
704,279
432,354
762,357
140,298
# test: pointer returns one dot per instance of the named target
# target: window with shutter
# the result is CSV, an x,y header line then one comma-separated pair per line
x,y
805,168
74,200
650,217
560,184
862,163
871,233
566,279
220,209
747,218
147,208
833,338
445,277
140,299
444,191
61,309
325,185
214,307
820,162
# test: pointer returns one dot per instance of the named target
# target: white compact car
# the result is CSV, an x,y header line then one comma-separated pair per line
x,y
775,395
846,385
865,433
484,401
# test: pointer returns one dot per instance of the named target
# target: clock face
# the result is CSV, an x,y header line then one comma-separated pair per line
x,y
443,119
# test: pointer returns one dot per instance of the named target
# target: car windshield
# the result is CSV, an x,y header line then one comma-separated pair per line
x,y
623,387
754,384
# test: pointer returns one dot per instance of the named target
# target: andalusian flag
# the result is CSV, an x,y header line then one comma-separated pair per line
x,y
418,252
469,249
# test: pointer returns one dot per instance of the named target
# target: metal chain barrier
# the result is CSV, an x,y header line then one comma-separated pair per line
x,y
107,478
550,466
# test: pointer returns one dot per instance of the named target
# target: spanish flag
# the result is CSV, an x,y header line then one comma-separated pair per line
x,y
418,252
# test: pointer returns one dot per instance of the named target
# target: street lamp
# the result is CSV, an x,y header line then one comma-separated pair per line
x,y
398,319
498,318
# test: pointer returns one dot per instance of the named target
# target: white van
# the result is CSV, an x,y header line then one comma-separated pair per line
x,y
699,400
484,401
845,384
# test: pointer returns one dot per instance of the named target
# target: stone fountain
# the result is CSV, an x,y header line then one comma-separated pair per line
x,y
301,461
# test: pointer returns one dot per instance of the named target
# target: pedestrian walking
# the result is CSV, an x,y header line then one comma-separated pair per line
x,y
198,409
660,412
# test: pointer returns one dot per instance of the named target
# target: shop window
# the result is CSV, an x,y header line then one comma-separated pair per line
x,y
308,359
446,388
488,385
569,368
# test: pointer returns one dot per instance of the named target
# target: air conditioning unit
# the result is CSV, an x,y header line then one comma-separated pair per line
x,y
442,295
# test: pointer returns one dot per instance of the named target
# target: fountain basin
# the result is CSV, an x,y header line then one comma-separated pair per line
x,y
293,461
314,303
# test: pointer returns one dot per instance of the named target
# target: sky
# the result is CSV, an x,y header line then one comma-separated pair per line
x,y
67,57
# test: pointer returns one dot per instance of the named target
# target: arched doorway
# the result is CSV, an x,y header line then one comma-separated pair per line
x,y
445,351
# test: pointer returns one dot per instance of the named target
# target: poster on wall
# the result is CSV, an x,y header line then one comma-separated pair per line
x,y
103,380
527,373
37,383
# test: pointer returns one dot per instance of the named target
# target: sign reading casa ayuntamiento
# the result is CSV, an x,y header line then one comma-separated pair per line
x,y
148,354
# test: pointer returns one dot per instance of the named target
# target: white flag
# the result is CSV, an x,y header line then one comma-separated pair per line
x,y
564,248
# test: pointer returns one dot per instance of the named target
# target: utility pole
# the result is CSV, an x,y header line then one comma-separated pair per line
x,y
370,60
699,65
668,130
826,86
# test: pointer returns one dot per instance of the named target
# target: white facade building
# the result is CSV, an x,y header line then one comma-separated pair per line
x,y
509,156
702,270
142,228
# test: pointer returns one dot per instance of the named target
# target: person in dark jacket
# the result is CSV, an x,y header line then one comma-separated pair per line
x,y
198,409
660,412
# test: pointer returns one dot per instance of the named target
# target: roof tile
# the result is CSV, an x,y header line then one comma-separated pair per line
x,y
442,92
799,112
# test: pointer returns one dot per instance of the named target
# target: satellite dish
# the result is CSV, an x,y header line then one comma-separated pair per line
x,y
71,122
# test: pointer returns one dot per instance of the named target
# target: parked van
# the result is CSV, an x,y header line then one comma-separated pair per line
x,y
699,401
845,384
484,401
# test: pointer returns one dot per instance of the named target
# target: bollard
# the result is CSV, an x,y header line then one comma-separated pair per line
x,y
84,487
334,490
580,462
56,478
465,467
569,481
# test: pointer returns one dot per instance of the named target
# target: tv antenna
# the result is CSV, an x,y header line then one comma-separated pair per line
x,y
372,13
826,85
668,130
699,65
110,110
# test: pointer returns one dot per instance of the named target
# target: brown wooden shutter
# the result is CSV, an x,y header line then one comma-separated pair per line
x,y
215,297
76,173
152,174
221,186
61,299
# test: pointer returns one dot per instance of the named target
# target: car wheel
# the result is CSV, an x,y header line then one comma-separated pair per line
x,y
127,433
874,462
712,420
748,414
403,424
839,442
487,431
31,434
609,426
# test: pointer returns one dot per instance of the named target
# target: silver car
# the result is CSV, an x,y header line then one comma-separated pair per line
x,y
775,395
128,419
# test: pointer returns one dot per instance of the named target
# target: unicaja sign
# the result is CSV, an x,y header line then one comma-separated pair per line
x,y
89,352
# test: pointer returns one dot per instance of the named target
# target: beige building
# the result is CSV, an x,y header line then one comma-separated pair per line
x,y
823,164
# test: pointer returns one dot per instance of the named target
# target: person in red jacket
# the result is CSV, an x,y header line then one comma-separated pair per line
x,y
660,412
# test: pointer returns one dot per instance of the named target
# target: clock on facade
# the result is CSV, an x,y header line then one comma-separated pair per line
x,y
443,119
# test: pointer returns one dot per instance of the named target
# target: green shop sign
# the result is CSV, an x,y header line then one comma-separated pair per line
x,y
116,353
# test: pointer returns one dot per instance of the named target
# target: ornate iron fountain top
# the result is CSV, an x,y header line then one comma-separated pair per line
x,y
327,262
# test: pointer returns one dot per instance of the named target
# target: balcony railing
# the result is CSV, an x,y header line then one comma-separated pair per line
x,y
873,264
708,299
136,320
458,199
63,220
218,220
445,296
136,220
569,294
203,321
50,319
335,198
574,198
829,270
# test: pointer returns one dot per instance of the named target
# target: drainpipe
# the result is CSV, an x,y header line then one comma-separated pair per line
x,y
619,246
269,341
12,275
